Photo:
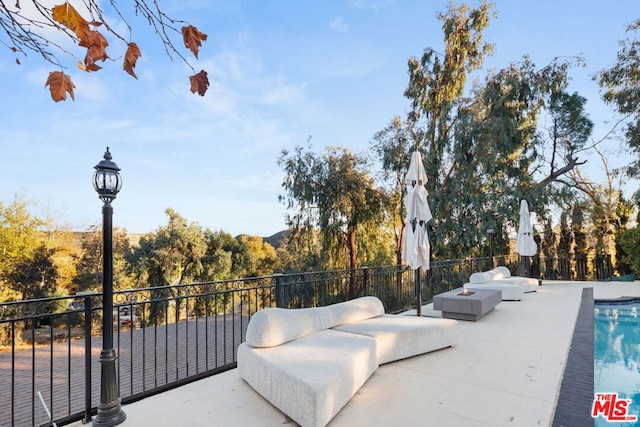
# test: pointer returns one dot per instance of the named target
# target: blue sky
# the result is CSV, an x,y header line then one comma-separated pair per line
x,y
280,71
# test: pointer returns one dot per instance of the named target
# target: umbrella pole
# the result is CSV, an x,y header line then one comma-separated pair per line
x,y
418,293
525,266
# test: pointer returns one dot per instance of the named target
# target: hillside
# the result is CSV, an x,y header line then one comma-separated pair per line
x,y
276,239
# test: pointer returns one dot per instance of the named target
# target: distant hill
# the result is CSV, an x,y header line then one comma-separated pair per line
x,y
275,240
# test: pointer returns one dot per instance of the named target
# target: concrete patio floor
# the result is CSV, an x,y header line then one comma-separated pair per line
x,y
505,371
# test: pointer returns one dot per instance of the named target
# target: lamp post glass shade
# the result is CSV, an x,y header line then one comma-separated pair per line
x,y
106,180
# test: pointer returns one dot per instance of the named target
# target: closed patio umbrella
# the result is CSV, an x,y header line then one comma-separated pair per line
x,y
416,248
525,245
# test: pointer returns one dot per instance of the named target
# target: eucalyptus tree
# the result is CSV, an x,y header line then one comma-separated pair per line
x,y
335,194
436,87
392,145
621,89
484,147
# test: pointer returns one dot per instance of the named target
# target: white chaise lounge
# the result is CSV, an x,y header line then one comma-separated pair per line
x,y
513,287
309,362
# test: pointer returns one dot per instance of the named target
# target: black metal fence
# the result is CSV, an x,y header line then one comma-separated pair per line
x,y
168,336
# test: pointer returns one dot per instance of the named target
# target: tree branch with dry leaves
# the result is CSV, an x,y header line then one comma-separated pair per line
x,y
26,31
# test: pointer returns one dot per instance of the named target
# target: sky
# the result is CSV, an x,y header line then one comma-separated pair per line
x,y
280,72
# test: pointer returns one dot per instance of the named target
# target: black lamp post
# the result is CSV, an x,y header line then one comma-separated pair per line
x,y
491,232
107,182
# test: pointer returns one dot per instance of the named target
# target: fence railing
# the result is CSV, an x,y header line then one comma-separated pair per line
x,y
168,336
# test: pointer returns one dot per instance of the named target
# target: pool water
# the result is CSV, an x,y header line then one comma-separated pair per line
x,y
617,354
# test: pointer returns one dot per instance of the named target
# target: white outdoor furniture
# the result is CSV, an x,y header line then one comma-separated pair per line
x,y
309,362
513,287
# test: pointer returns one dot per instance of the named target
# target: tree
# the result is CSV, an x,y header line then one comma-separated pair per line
x,y
28,27
484,148
548,247
89,266
20,237
335,194
621,88
624,211
259,256
34,277
217,262
630,242
170,256
565,247
392,145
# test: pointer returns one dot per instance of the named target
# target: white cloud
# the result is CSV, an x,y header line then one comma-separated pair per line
x,y
339,24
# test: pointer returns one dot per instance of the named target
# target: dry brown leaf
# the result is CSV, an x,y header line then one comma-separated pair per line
x,y
95,42
59,84
130,58
193,38
96,50
66,15
199,83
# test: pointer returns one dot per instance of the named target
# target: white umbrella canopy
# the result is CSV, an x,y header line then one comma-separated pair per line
x,y
416,248
525,245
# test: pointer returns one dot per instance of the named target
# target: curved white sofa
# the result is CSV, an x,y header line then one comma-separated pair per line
x,y
513,287
309,362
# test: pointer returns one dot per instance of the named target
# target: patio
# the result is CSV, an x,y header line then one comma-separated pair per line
x,y
506,370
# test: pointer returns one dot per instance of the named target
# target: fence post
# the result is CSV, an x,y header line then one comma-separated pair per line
x,y
279,290
418,292
365,280
87,354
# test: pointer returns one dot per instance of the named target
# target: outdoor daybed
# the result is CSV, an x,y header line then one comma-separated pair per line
x,y
309,362
513,287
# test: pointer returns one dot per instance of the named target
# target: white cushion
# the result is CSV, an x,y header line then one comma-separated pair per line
x,y
527,283
355,310
510,292
399,337
274,326
312,378
504,271
482,277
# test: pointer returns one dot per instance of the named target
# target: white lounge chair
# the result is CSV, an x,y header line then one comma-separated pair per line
x,y
513,287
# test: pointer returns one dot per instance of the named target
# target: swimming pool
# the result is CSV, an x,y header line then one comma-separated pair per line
x,y
617,355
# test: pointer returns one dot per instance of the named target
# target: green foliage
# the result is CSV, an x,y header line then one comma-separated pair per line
x,y
171,255
565,242
630,242
486,151
624,211
19,234
34,277
391,146
577,229
89,266
335,194
621,88
258,258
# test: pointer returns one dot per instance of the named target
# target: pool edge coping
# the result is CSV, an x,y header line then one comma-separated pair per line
x,y
575,398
